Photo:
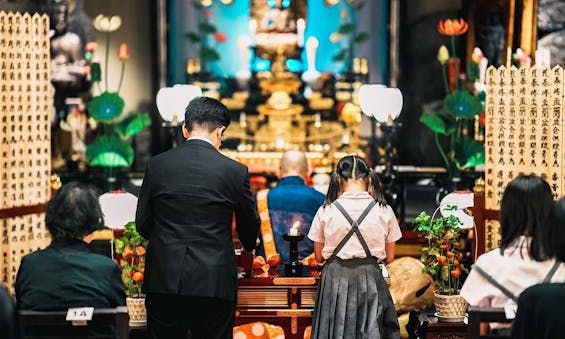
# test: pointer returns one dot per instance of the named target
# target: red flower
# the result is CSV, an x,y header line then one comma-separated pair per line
x,y
91,46
482,118
208,14
452,27
123,51
220,37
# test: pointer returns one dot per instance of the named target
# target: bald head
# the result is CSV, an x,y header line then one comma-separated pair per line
x,y
294,162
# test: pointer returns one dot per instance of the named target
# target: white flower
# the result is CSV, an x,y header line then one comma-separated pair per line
x,y
104,23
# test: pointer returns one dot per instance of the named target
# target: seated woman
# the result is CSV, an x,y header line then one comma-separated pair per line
x,y
540,307
523,259
67,273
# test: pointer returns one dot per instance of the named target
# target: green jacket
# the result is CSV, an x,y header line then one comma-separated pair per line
x,y
67,275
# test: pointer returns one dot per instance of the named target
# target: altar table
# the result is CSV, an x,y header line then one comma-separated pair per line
x,y
282,301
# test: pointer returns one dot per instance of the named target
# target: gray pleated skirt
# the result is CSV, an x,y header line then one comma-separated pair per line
x,y
353,302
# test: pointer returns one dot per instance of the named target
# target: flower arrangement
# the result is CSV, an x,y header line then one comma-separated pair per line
x,y
112,148
207,53
131,250
460,108
347,32
443,255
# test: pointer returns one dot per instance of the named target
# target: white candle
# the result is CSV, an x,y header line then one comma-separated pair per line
x,y
300,27
279,143
542,57
539,58
253,30
483,64
311,76
294,229
547,57
243,43
311,47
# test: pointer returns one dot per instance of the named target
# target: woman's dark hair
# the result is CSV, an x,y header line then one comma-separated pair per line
x,y
73,212
524,210
206,112
554,235
354,167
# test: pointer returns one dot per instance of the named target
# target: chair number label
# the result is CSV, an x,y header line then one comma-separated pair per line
x,y
80,314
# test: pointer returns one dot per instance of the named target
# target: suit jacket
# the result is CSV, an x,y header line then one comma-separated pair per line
x,y
185,209
67,275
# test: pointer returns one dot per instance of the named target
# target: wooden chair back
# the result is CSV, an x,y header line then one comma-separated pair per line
x,y
478,315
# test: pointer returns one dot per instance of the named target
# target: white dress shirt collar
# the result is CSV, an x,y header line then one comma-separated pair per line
x,y
201,138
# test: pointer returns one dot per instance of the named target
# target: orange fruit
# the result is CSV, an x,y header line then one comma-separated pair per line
x,y
140,250
274,260
137,277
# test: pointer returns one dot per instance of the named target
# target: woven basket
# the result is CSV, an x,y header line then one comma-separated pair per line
x,y
450,306
136,310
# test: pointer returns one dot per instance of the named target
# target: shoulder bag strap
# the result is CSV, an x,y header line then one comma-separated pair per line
x,y
491,280
355,227
552,272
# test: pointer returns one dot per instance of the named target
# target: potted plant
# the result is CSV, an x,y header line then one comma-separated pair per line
x,y
459,110
442,259
130,254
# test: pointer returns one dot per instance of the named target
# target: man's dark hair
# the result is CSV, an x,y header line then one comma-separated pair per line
x,y
206,113
73,212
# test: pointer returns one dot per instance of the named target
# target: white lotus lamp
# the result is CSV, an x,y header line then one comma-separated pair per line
x,y
118,208
172,102
380,102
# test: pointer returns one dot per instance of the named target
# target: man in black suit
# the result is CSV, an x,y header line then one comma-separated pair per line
x,y
185,209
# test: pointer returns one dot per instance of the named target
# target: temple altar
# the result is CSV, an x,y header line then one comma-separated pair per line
x,y
282,301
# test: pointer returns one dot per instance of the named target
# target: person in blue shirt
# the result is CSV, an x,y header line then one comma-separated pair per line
x,y
291,202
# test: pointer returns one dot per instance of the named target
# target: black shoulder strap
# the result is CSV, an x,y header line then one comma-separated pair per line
x,y
354,228
552,272
491,280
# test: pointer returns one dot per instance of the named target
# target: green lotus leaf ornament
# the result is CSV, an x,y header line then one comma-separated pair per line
x,y
468,152
109,151
106,107
463,104
133,124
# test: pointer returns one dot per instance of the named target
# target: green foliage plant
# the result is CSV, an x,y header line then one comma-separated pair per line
x,y
444,252
130,250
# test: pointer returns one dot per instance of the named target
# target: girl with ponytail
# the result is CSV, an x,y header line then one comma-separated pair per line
x,y
352,232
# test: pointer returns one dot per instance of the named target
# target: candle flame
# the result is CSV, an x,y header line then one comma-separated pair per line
x,y
296,224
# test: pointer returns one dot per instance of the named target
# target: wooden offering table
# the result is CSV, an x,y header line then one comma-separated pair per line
x,y
283,301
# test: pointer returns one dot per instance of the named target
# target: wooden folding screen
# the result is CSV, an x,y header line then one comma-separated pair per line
x,y
26,106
